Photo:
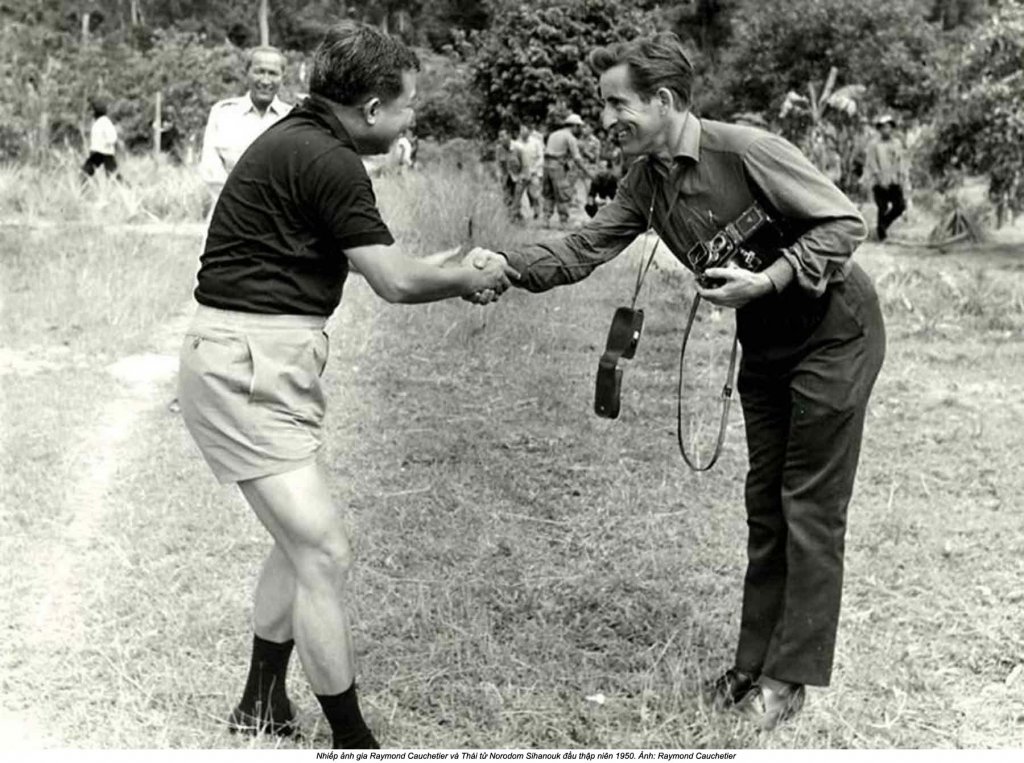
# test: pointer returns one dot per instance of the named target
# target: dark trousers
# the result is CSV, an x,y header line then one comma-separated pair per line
x,y
804,383
96,159
890,203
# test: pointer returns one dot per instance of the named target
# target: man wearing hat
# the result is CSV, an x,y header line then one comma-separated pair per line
x,y
560,152
887,173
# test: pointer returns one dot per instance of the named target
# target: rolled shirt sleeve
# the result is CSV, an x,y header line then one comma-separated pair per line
x,y
799,191
572,258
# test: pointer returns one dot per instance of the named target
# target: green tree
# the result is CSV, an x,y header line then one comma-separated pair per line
x,y
531,61
979,128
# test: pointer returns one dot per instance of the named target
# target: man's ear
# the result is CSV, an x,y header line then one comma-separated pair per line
x,y
371,109
668,101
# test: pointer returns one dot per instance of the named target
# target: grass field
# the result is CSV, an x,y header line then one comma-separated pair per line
x,y
517,556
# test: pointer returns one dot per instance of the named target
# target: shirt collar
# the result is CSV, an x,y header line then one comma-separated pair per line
x,y
319,108
276,106
686,146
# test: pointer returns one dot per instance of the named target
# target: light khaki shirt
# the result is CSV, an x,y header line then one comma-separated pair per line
x,y
562,144
886,164
234,123
717,171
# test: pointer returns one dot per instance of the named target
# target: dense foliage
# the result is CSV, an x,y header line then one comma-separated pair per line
x,y
782,45
531,62
980,122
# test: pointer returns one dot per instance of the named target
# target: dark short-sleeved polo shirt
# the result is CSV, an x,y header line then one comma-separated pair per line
x,y
297,198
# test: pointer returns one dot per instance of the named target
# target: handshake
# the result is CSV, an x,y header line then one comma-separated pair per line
x,y
491,275
495,269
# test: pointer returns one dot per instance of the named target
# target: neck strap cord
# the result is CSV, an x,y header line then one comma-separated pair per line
x,y
727,389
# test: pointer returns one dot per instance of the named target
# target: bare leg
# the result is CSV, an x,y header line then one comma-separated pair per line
x,y
297,509
274,599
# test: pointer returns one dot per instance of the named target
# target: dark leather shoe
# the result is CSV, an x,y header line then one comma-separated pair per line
x,y
730,689
245,722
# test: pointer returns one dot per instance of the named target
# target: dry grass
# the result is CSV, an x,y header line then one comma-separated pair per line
x,y
150,191
91,290
516,554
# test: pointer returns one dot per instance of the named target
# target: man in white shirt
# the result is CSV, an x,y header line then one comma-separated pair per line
x,y
530,153
234,123
102,141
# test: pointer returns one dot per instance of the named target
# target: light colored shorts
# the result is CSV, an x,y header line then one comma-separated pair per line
x,y
250,393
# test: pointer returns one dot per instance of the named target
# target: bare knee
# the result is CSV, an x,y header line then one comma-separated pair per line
x,y
324,565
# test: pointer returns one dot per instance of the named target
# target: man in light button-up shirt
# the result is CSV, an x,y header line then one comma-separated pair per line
x,y
234,123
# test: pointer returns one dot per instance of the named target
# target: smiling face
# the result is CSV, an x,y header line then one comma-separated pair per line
x,y
640,125
265,74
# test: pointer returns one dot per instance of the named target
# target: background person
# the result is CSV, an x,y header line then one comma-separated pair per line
x,y
102,141
295,214
234,123
561,156
812,334
887,174
602,188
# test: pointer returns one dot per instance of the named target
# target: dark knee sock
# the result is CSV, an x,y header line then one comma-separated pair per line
x,y
348,728
264,695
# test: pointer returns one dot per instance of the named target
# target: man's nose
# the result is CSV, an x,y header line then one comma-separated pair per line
x,y
607,117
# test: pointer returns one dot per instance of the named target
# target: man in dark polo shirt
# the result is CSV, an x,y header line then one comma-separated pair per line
x,y
296,212
811,330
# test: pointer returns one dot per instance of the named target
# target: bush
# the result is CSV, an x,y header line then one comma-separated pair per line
x,y
531,62
448,107
980,125
782,45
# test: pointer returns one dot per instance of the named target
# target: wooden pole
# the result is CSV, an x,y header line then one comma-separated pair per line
x,y
157,124
264,13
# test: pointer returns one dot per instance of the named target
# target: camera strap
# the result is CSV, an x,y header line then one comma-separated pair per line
x,y
641,273
738,231
726,394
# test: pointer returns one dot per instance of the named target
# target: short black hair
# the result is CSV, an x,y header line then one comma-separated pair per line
x,y
99,105
654,62
356,61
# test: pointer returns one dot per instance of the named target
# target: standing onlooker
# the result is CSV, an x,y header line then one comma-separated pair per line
x,y
505,163
523,160
612,151
602,189
102,141
561,154
534,160
887,174
234,123
590,149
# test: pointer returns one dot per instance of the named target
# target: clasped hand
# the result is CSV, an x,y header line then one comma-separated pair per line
x,y
492,273
491,263
740,287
